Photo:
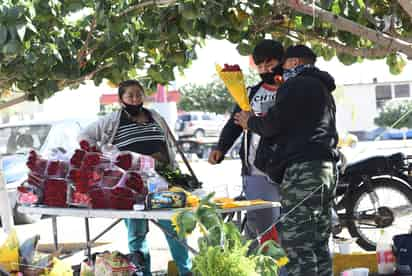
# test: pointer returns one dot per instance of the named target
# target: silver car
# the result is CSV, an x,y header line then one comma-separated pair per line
x,y
18,139
199,124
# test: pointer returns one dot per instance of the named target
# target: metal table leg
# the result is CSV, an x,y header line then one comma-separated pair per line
x,y
54,225
88,243
173,236
106,230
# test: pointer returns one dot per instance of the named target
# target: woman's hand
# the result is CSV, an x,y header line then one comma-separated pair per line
x,y
215,156
158,157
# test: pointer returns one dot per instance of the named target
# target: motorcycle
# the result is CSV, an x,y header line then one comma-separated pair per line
x,y
371,194
374,194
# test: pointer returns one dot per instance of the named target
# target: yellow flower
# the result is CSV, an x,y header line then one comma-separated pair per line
x,y
174,222
192,201
282,261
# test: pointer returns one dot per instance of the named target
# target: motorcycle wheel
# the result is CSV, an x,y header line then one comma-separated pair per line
x,y
394,201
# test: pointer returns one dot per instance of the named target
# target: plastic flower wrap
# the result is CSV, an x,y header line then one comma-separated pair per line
x,y
9,253
234,81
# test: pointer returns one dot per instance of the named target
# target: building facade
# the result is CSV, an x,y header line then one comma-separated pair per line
x,y
359,104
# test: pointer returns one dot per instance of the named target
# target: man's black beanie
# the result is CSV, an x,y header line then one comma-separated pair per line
x,y
268,49
300,51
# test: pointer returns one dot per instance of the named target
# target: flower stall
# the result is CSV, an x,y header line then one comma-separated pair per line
x,y
106,183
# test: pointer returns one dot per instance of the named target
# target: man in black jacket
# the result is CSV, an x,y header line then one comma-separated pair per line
x,y
256,184
302,124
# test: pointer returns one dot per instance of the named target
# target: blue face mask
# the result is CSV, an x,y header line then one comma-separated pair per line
x,y
293,72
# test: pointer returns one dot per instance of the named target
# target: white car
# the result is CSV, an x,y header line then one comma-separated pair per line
x,y
387,142
18,139
199,124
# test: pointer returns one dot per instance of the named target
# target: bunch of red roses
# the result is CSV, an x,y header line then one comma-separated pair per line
x,y
48,180
91,178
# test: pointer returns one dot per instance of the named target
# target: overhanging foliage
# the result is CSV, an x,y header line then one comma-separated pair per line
x,y
46,45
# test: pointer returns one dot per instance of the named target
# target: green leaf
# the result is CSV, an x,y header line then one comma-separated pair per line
x,y
244,49
360,4
11,48
13,13
396,63
31,27
13,33
336,8
328,53
3,34
347,59
188,10
307,20
31,9
21,31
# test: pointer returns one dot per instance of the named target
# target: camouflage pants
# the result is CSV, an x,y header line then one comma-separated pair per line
x,y
306,230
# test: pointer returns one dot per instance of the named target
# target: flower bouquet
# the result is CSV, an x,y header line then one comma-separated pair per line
x,y
106,179
234,81
90,178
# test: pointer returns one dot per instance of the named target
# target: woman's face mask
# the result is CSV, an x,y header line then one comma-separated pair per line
x,y
133,110
132,100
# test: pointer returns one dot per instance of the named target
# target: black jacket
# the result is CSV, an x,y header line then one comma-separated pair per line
x,y
231,133
302,123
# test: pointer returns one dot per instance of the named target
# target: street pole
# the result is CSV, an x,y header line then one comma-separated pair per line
x,y
5,207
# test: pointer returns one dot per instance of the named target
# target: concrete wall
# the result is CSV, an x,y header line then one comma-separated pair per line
x,y
356,105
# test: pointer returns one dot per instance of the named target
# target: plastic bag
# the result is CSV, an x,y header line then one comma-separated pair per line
x,y
86,269
9,253
60,268
113,264
28,249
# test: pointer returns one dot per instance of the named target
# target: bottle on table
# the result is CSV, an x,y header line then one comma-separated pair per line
x,y
384,253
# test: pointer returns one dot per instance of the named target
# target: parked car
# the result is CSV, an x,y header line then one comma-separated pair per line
x,y
383,142
18,139
198,124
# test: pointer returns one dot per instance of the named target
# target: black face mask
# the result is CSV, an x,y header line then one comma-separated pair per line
x,y
269,77
133,110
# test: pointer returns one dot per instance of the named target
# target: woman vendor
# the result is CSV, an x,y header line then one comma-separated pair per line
x,y
141,130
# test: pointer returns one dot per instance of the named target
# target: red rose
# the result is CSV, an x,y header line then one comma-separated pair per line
x,y
124,161
85,145
77,158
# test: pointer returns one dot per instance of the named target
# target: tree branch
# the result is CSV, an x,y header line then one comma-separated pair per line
x,y
13,102
406,6
89,76
267,22
389,43
145,4
376,52
84,50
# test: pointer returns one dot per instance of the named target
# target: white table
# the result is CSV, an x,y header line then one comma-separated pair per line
x,y
152,215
